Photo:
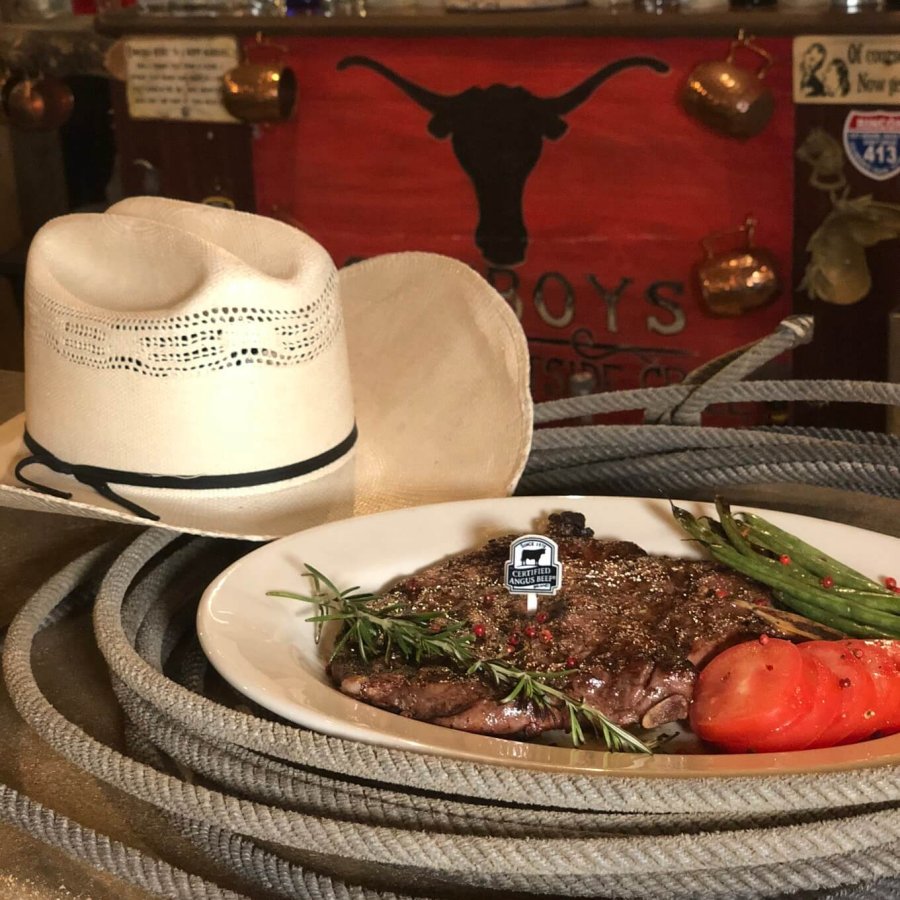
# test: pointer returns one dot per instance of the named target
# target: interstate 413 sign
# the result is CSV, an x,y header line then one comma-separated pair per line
x,y
872,142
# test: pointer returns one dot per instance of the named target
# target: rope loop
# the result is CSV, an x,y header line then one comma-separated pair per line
x,y
254,794
672,452
249,784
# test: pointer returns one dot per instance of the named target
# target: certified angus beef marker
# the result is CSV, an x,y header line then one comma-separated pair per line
x,y
532,568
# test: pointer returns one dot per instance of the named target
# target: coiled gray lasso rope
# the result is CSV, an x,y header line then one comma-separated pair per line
x,y
672,453
257,796
461,823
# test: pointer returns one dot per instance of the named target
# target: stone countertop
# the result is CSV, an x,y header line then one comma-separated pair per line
x,y
35,545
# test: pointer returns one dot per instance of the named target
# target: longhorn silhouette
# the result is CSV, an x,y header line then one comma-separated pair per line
x,y
497,135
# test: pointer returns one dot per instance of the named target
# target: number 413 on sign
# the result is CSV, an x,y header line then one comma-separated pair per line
x,y
872,142
880,154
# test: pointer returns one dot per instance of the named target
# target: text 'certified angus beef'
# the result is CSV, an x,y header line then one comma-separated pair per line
x,y
497,135
627,632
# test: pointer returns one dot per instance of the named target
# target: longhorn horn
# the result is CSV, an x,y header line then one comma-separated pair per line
x,y
575,97
425,98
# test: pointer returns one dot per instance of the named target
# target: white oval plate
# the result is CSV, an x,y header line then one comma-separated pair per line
x,y
264,647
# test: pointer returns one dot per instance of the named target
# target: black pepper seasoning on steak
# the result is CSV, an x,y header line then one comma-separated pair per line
x,y
635,627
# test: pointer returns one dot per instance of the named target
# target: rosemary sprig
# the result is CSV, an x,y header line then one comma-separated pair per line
x,y
380,632
422,635
533,686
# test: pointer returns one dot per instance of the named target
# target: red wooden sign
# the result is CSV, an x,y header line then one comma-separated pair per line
x,y
563,169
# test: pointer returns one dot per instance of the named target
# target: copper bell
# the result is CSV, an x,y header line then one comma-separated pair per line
x,y
733,282
728,98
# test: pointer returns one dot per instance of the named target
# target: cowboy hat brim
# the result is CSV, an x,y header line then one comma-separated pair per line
x,y
442,405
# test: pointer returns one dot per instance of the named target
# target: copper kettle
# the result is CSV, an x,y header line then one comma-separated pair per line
x,y
733,282
260,92
729,98
261,88
35,104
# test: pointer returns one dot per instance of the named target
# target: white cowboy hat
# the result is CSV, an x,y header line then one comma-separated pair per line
x,y
211,371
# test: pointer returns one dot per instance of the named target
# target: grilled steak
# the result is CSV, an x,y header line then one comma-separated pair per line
x,y
637,628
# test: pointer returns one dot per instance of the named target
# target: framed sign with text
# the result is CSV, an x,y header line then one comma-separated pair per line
x,y
178,78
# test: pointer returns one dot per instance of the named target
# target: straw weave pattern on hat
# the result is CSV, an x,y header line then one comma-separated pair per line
x,y
215,338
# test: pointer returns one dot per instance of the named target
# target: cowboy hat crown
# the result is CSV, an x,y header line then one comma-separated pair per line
x,y
190,365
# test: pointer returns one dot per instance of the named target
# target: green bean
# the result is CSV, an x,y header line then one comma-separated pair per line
x,y
860,614
847,626
692,525
763,570
813,559
808,563
715,533
864,611
773,548
878,599
889,603
775,576
732,532
884,600
766,571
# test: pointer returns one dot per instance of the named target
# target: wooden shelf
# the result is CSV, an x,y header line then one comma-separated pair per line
x,y
64,45
62,25
582,21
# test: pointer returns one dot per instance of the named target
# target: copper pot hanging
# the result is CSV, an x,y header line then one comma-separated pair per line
x,y
736,281
260,90
39,104
729,98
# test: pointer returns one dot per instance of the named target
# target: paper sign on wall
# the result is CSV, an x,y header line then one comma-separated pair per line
x,y
858,69
179,77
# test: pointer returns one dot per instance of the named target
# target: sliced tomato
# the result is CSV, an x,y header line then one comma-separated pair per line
x,y
825,707
882,662
751,690
891,670
858,694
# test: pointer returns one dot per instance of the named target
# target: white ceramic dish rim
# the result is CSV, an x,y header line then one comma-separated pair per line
x,y
263,645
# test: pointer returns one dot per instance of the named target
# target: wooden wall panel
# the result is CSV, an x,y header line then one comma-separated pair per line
x,y
10,219
194,160
851,342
